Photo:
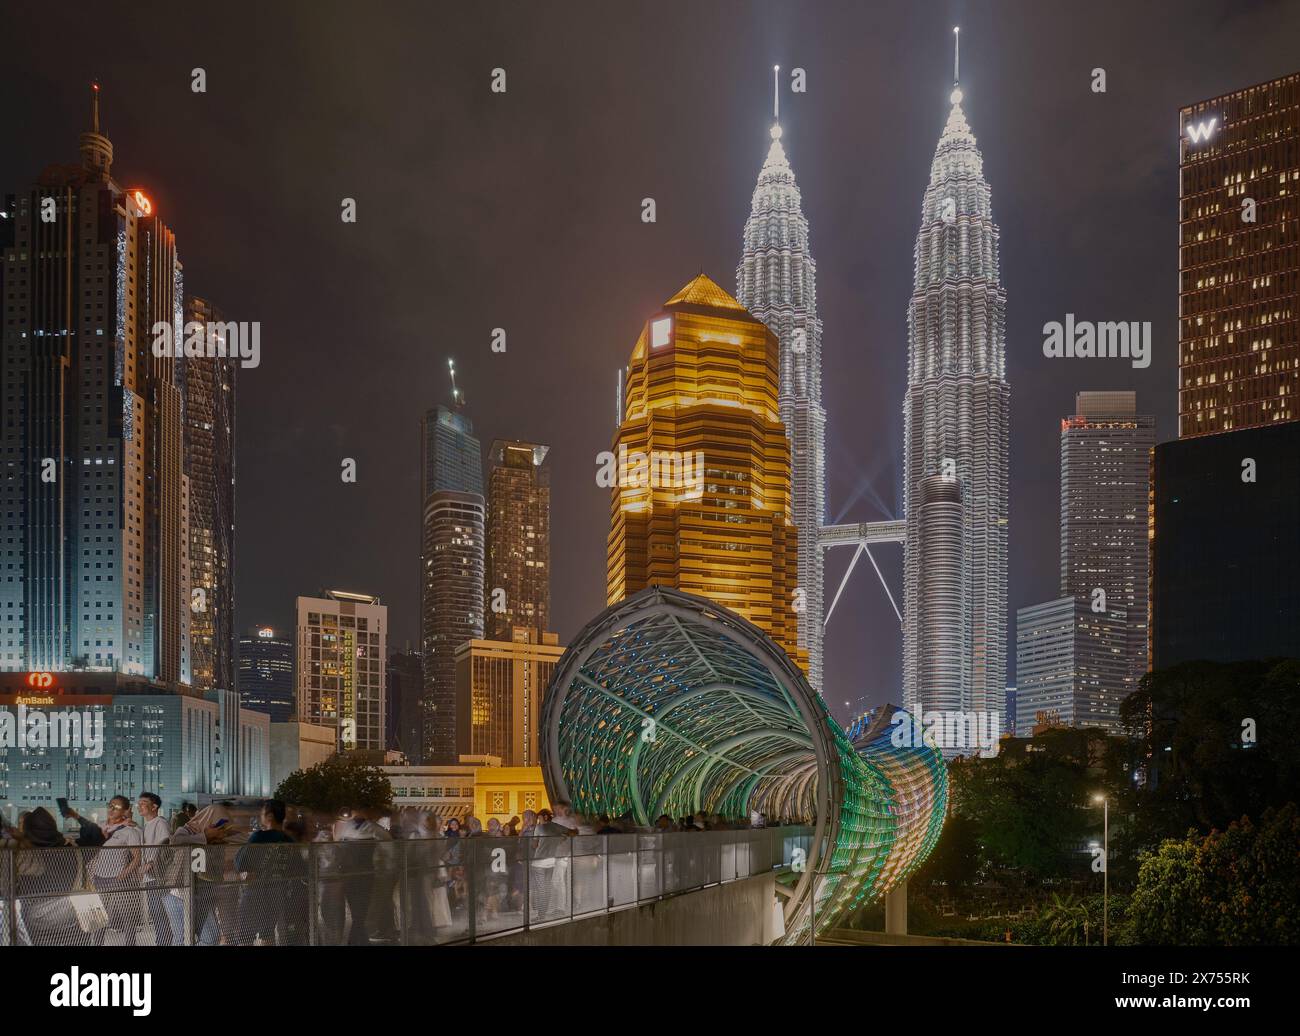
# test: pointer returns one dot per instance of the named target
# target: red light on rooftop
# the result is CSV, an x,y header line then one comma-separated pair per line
x,y
146,206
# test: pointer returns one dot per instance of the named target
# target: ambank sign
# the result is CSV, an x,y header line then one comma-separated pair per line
x,y
33,721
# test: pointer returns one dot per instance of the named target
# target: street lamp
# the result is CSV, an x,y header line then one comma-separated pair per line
x,y
1105,866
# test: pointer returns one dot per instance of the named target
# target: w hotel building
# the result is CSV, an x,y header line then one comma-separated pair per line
x,y
1225,552
1239,259
701,497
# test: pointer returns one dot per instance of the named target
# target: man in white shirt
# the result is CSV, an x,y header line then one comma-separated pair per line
x,y
166,912
116,870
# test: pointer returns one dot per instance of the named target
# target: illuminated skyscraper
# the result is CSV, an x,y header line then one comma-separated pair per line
x,y
94,495
266,681
452,600
342,648
1238,266
955,423
700,470
776,280
1105,492
499,687
210,469
452,523
518,539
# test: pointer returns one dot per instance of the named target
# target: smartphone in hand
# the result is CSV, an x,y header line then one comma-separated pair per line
x,y
63,806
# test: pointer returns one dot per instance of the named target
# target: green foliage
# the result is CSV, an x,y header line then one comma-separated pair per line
x,y
1186,723
337,783
1028,806
1239,887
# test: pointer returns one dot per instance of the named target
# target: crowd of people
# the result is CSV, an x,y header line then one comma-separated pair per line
x,y
248,885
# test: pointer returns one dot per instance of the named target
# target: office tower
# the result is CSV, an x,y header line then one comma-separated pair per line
x,y
1238,267
1009,713
175,745
453,609
450,456
700,470
452,527
342,643
266,682
1105,492
1070,665
518,538
209,383
776,280
499,687
94,523
955,417
1225,546
405,694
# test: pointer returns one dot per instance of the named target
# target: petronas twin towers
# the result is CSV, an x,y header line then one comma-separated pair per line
x,y
955,419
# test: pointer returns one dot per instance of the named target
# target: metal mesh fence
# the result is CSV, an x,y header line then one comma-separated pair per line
x,y
413,892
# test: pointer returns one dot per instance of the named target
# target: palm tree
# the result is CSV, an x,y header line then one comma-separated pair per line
x,y
1065,920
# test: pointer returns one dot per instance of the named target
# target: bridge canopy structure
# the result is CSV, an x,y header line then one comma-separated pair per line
x,y
667,703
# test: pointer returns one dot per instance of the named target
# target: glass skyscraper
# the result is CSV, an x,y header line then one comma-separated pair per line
x,y
452,557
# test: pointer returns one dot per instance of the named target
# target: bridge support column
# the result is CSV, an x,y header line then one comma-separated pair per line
x,y
896,910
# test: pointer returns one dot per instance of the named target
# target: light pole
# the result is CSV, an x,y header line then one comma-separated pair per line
x,y
1105,866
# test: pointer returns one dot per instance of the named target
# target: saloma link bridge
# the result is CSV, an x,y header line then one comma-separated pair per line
x,y
667,703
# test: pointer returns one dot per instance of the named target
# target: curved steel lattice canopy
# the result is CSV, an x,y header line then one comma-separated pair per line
x,y
667,703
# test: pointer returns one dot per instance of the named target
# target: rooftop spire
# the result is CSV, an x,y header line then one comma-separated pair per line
x,y
456,398
96,149
956,54
776,102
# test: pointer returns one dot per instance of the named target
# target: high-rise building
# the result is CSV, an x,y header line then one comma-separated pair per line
x,y
700,470
955,422
499,687
92,496
450,456
452,530
405,695
266,682
452,609
1070,665
776,280
1105,492
342,643
1225,547
209,383
1239,268
518,590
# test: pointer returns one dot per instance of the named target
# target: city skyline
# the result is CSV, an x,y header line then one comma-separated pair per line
x,y
285,477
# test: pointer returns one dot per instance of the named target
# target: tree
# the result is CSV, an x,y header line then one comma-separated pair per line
x,y
1215,741
337,783
1238,887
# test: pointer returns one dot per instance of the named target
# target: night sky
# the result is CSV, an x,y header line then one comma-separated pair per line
x,y
478,210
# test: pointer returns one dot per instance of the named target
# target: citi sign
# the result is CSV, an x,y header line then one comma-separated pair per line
x,y
1200,132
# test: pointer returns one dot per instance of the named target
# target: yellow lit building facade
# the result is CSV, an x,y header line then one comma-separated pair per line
x,y
700,470
499,687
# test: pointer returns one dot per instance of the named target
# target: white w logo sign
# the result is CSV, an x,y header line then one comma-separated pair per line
x,y
1201,131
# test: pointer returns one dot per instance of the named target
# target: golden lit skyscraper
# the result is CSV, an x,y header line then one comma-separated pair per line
x,y
700,470
1239,269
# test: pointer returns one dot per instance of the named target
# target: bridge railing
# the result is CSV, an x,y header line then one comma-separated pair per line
x,y
409,892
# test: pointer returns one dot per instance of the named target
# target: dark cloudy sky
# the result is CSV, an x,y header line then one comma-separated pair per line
x,y
522,211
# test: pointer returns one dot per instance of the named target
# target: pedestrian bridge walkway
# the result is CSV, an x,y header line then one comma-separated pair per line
x,y
414,892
